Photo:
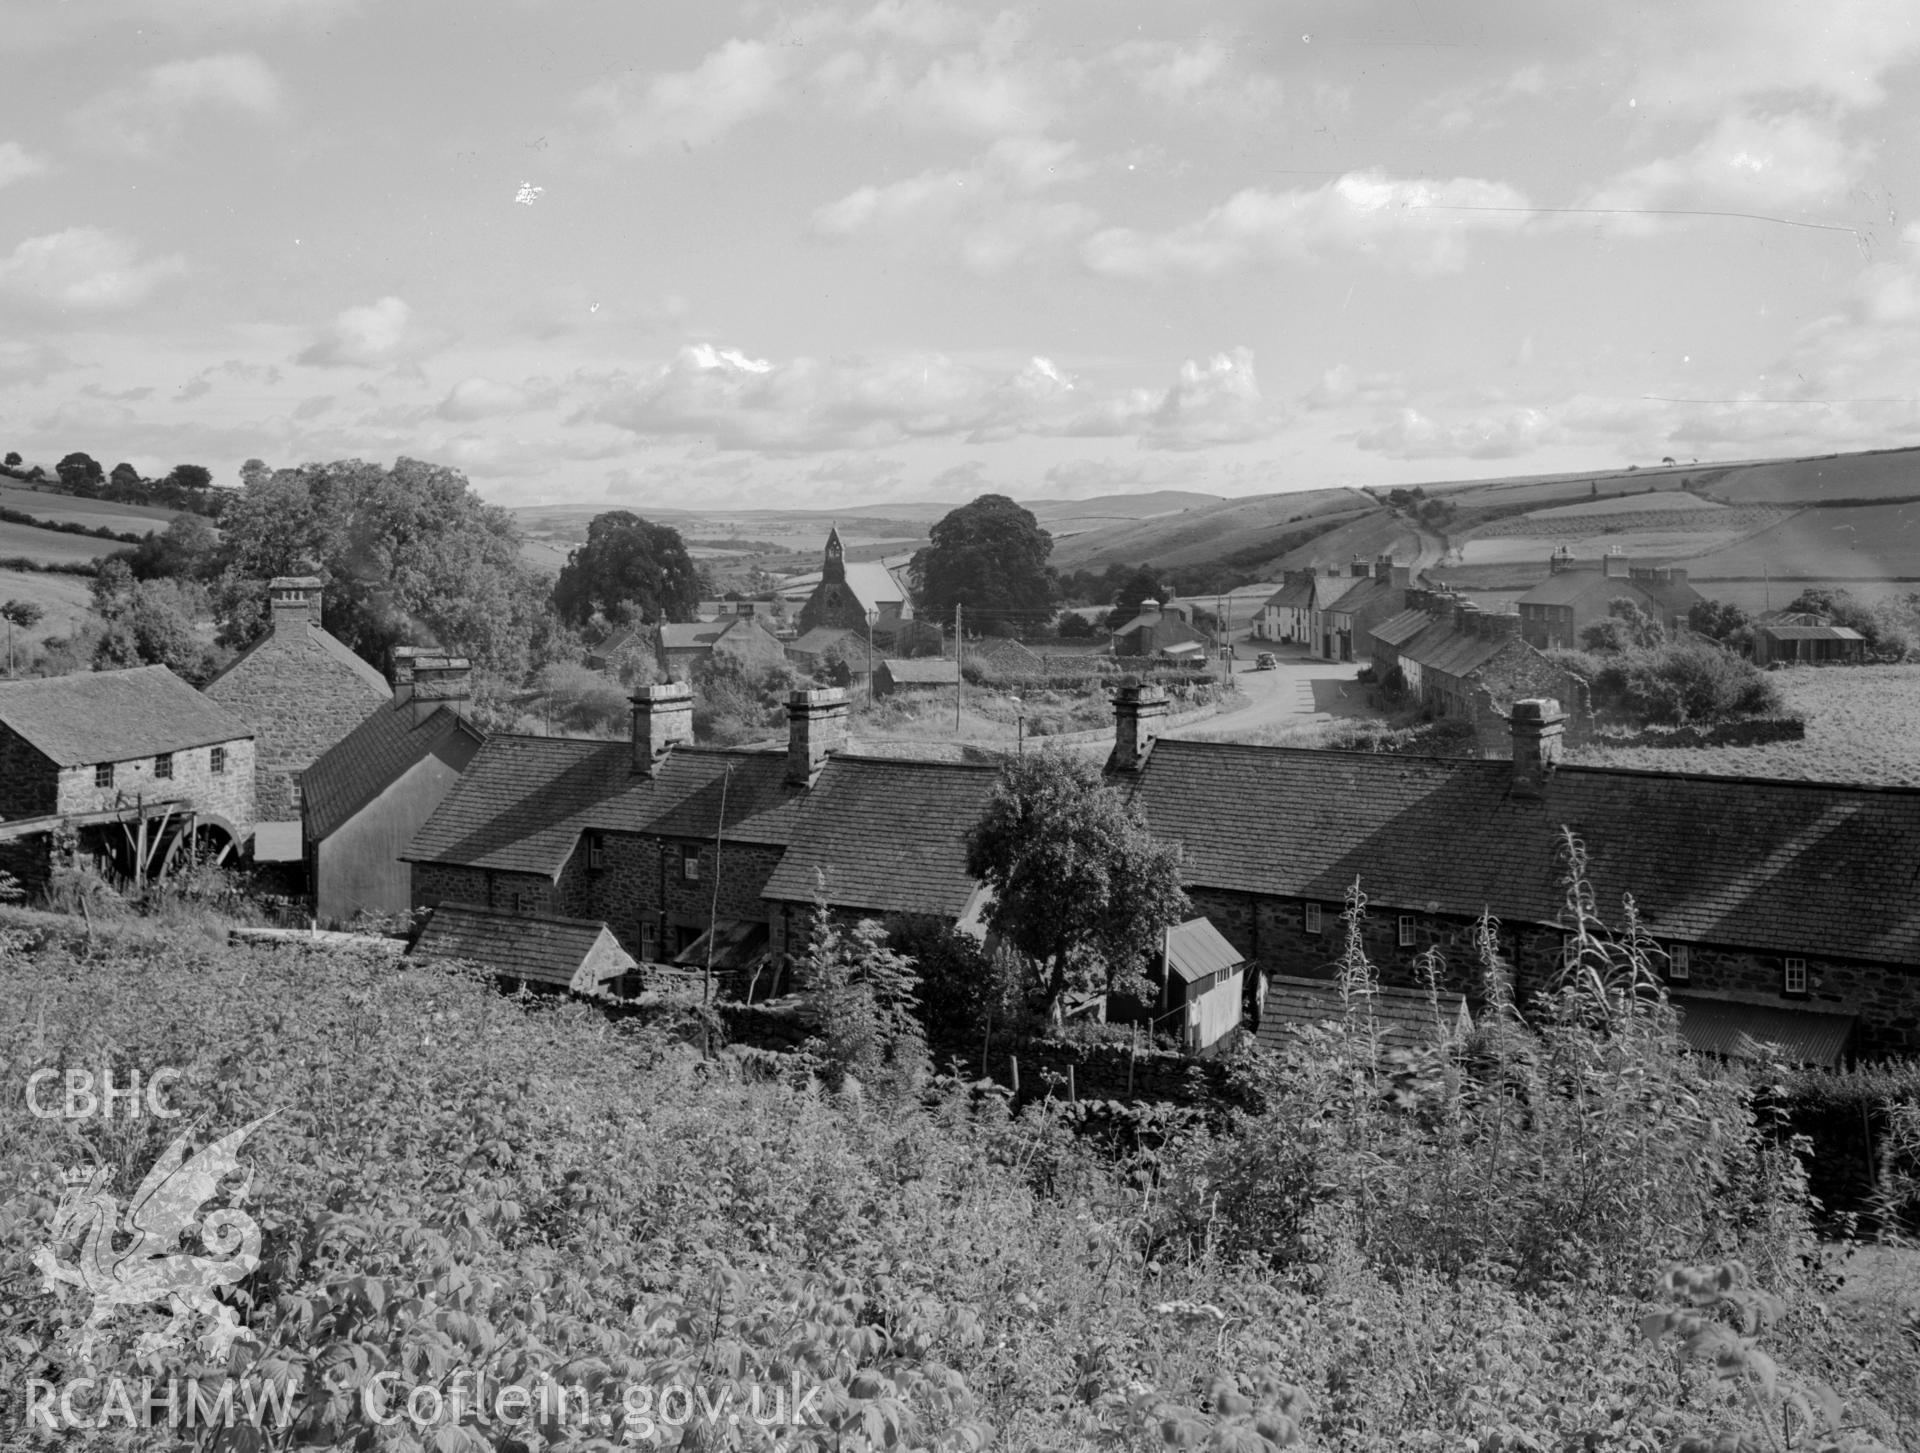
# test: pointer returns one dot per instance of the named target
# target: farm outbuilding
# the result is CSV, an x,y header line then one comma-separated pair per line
x,y
927,673
1808,645
1204,974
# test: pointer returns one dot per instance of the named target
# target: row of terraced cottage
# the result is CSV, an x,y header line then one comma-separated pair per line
x,y
1785,910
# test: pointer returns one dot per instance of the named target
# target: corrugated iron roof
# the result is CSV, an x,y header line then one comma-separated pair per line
x,y
1195,949
1812,633
1729,1028
115,716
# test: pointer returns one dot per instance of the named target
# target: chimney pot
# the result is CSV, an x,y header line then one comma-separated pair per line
x,y
816,728
662,716
1537,724
1138,711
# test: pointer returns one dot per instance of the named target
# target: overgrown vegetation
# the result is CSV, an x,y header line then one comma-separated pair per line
x,y
1467,1247
1673,683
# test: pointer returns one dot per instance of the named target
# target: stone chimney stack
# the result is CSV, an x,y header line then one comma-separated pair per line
x,y
403,659
662,715
438,680
1537,724
816,728
1357,568
1138,711
1561,559
1400,576
293,600
1615,565
1502,625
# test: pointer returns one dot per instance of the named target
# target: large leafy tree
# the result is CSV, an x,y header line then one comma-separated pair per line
x,y
80,474
1079,884
990,558
628,567
408,554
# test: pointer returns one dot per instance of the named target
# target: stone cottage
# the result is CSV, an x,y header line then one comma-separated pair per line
x,y
301,690
1760,895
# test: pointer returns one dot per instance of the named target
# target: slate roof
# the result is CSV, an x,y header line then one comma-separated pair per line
x,y
1397,630
115,716
924,671
338,649
1720,1026
888,834
523,802
1775,866
369,759
1570,587
1195,949
691,635
546,950
1403,1018
1452,652
1294,595
817,640
1365,595
1328,589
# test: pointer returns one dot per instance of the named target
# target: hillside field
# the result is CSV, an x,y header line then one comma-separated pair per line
x,y
1884,474
1859,729
1865,542
64,598
70,509
50,546
1203,535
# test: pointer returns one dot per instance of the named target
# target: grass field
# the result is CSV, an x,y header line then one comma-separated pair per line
x,y
1866,542
1885,474
1675,503
68,509
51,546
1859,729
1202,535
63,598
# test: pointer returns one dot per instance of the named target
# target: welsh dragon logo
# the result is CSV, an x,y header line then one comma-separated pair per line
x,y
152,1268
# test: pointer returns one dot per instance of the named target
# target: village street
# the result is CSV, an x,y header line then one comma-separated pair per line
x,y
1300,689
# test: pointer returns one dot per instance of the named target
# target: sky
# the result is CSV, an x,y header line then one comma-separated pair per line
x,y
792,255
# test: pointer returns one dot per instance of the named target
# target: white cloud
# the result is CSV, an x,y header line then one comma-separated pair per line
x,y
1422,225
1752,163
17,164
1201,77
81,268
1342,387
144,119
742,80
987,211
1411,434
361,337
1706,54
731,401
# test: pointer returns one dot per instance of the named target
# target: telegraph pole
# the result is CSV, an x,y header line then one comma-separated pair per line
x,y
957,678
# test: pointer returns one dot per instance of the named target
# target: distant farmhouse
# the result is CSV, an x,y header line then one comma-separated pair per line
x,y
679,647
301,690
1577,594
1157,630
136,766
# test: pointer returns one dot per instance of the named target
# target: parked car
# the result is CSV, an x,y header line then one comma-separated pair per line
x,y
1265,661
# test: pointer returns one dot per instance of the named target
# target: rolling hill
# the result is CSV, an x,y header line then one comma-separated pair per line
x,y
1234,528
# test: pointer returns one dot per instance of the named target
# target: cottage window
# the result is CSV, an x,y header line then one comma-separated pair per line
x,y
690,864
293,790
596,852
103,775
163,766
1406,930
217,761
1313,918
1679,969
1794,981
